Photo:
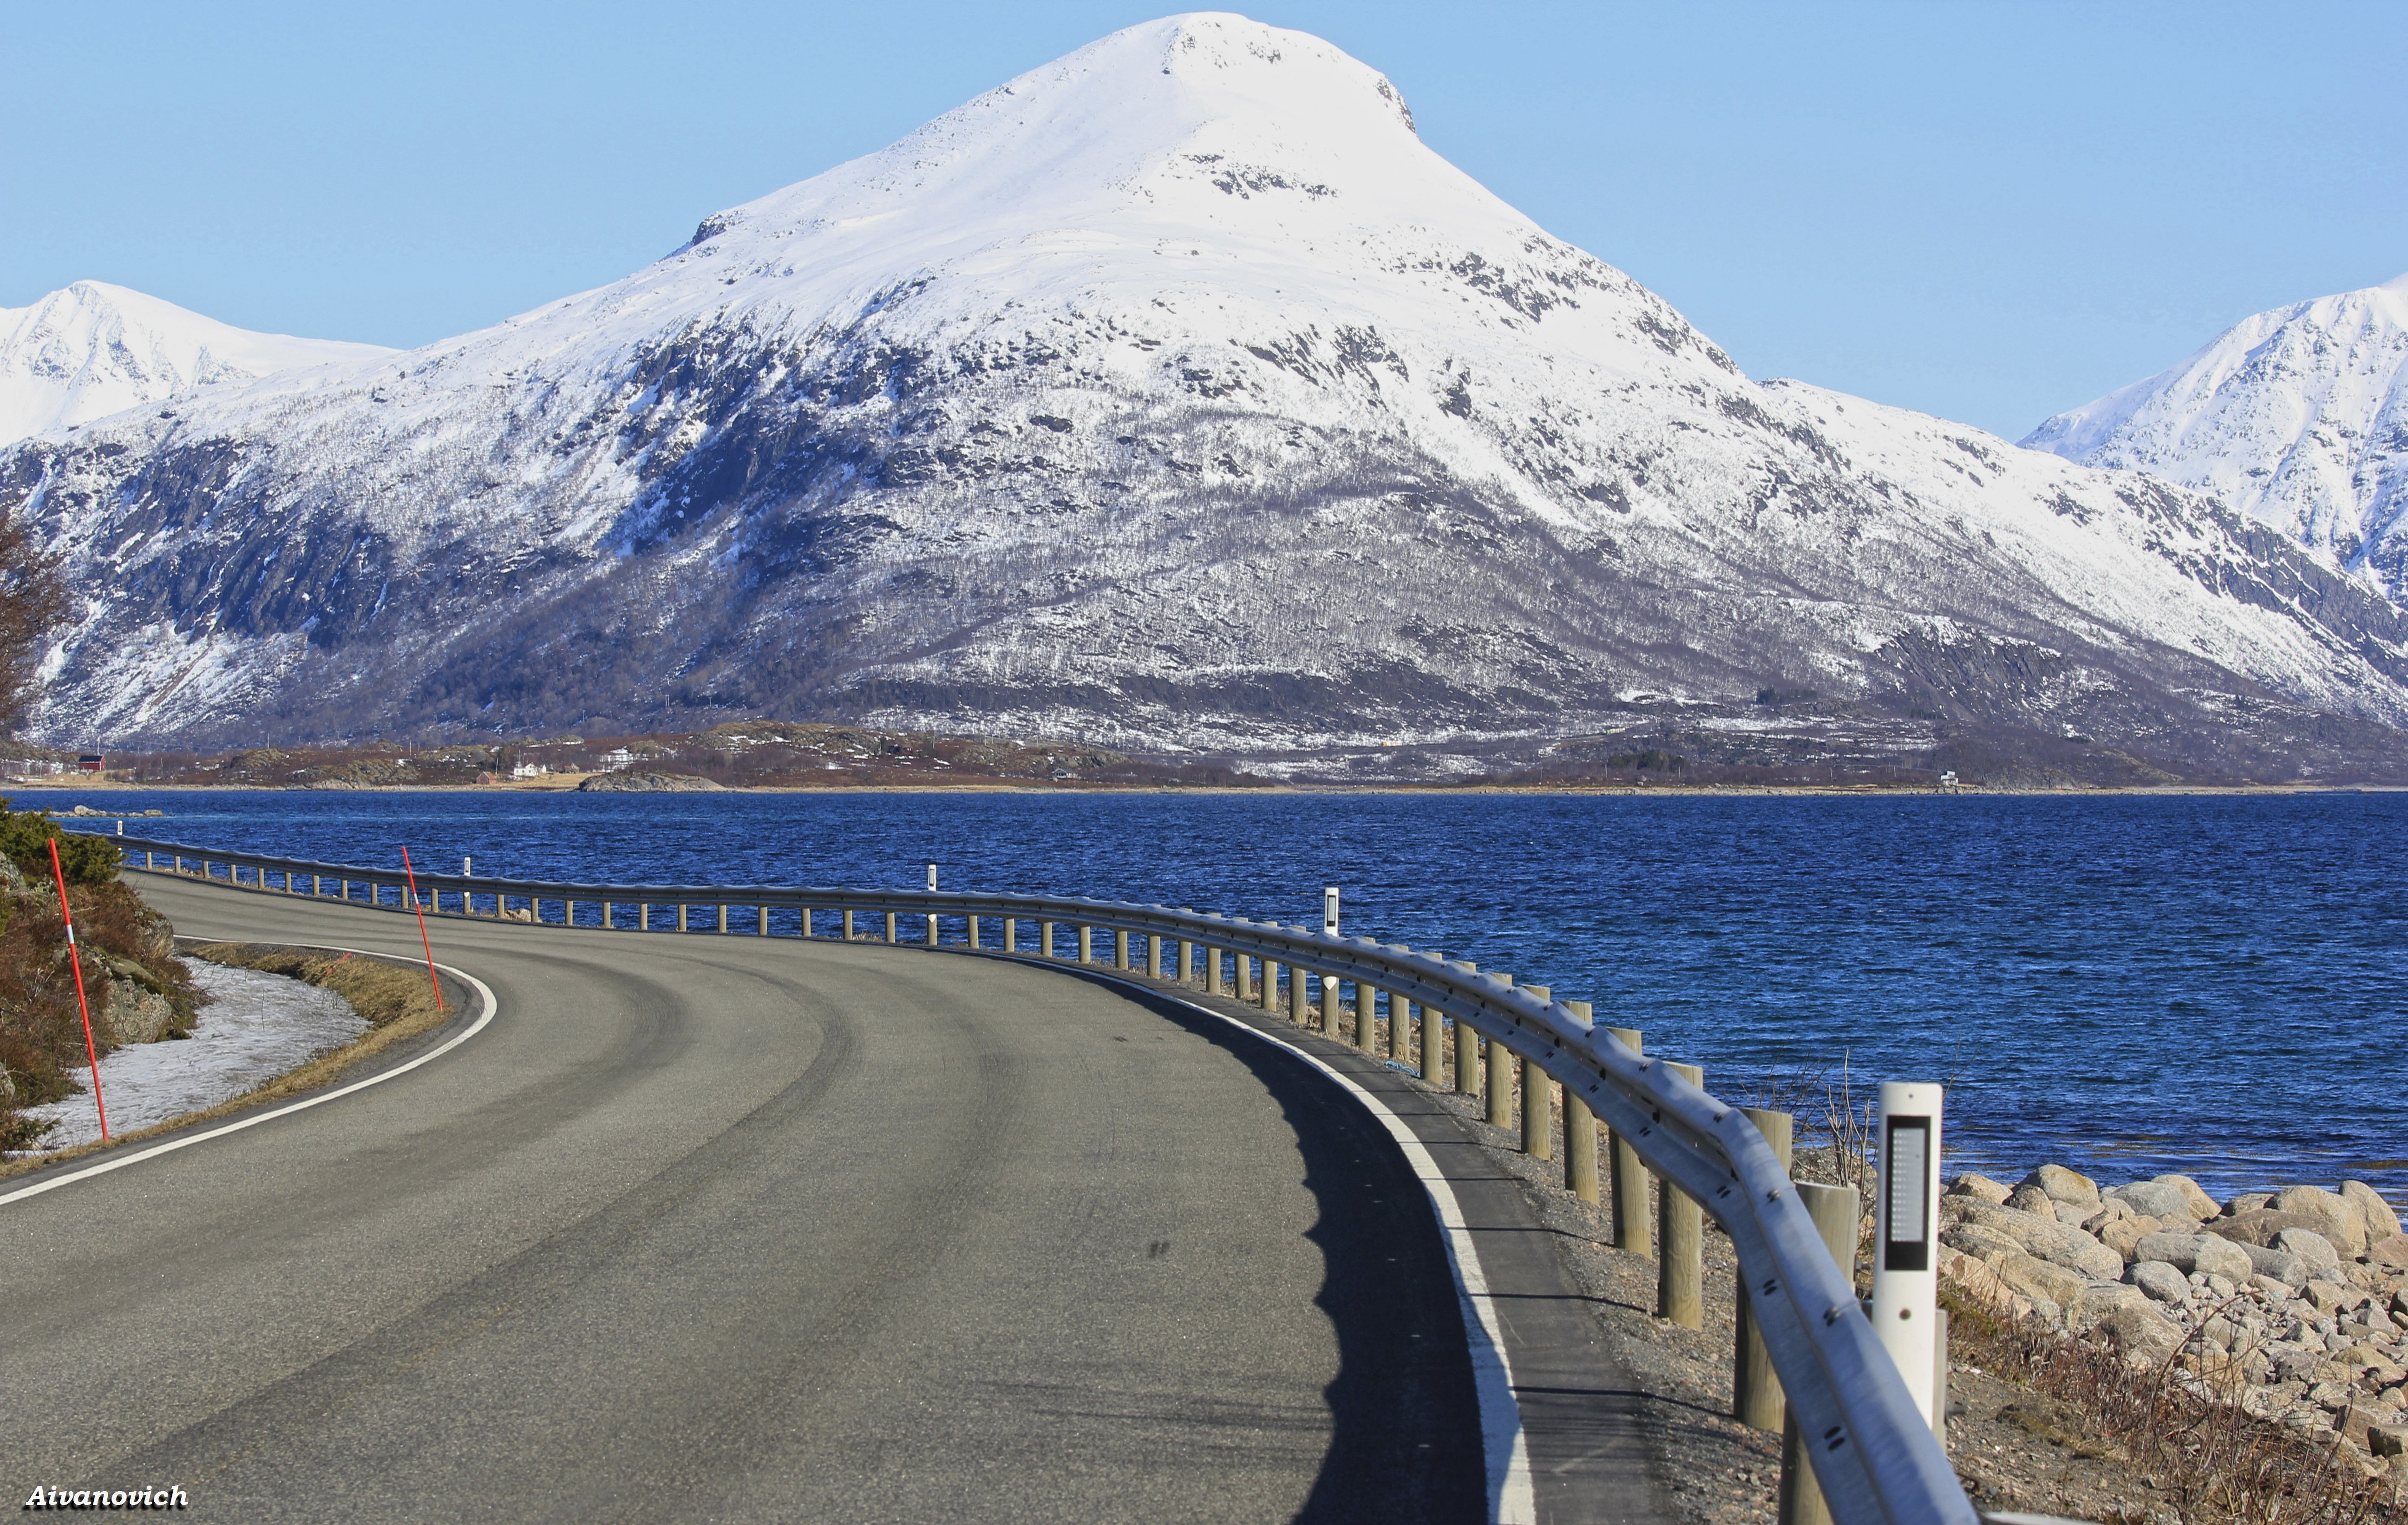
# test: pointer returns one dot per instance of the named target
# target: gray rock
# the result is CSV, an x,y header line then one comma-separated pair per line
x,y
2060,1243
2275,1289
2248,1202
2029,1276
2281,1267
2340,1220
2071,1187
2382,1223
2143,1335
2203,1206
2031,1198
2160,1280
1979,1187
2310,1247
2200,1254
1980,1242
2102,1299
2153,1199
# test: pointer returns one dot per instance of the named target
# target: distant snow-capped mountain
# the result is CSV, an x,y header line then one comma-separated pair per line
x,y
2297,417
92,350
1174,396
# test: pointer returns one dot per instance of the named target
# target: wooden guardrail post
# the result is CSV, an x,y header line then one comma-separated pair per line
x,y
1633,1230
1243,967
463,901
1215,981
1153,956
1680,1240
1756,1399
1466,1047
1186,959
1499,1078
1329,1006
1298,1003
1366,1022
1086,943
1011,934
1834,1211
893,920
1121,950
1538,1098
1271,986
1579,1133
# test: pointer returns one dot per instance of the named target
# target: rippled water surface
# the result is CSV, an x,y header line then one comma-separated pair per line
x,y
2129,985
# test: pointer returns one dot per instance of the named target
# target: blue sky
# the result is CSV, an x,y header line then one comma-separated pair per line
x,y
1987,211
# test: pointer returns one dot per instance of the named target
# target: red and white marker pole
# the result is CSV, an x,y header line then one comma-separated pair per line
x,y
74,961
412,877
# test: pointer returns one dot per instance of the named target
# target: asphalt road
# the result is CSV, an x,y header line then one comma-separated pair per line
x,y
730,1229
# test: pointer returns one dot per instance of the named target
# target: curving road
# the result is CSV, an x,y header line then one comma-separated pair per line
x,y
727,1229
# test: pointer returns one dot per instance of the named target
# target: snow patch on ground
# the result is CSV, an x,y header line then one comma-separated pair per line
x,y
258,1027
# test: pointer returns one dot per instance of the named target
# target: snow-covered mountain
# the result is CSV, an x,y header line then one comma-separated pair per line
x,y
93,349
2297,417
1173,395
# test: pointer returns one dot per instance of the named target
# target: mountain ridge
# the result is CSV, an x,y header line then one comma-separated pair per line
x,y
1174,397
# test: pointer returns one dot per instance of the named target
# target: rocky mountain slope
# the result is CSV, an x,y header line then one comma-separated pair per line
x,y
92,350
2296,417
1175,397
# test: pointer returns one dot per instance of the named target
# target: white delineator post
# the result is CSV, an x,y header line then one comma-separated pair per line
x,y
1906,1234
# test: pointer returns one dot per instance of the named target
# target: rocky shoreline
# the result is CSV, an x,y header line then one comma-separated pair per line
x,y
2289,1304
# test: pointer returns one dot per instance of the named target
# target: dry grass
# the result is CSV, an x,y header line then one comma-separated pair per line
x,y
398,1003
2212,1462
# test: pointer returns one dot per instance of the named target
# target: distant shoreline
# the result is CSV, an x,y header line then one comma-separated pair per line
x,y
1680,791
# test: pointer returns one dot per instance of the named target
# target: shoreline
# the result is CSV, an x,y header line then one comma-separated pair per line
x,y
1730,791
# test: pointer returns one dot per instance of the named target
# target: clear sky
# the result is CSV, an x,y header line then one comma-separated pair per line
x,y
1987,211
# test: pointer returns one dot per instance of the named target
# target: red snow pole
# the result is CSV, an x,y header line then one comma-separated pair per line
x,y
406,873
74,961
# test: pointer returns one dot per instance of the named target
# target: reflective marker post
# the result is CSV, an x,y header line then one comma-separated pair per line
x,y
1906,1234
1329,911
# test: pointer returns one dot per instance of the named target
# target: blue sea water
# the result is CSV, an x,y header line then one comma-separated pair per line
x,y
2125,983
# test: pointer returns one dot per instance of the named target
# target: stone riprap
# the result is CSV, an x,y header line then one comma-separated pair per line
x,y
2292,1303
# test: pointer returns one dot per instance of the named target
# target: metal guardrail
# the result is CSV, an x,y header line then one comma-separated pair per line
x,y
1876,1458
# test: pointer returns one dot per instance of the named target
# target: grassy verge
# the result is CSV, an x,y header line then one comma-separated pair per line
x,y
398,1003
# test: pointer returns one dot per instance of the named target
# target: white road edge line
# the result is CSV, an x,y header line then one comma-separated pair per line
x,y
1503,1446
484,996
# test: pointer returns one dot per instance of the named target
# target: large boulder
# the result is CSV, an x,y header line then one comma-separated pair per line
x,y
2029,1276
2382,1223
2145,1336
2031,1198
1979,1187
2155,1199
2203,1206
2159,1281
2340,1220
1979,1241
2277,1265
2390,1254
2124,1235
2071,1187
2310,1247
2197,1255
2259,1225
2058,1243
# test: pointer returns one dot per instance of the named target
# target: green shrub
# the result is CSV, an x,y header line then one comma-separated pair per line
x,y
25,838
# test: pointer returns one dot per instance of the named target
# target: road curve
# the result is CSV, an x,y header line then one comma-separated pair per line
x,y
732,1229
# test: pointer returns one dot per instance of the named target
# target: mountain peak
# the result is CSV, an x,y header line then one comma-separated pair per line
x,y
2294,416
91,348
